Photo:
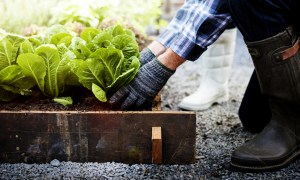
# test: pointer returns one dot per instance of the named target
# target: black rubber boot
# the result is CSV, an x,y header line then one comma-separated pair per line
x,y
254,112
277,64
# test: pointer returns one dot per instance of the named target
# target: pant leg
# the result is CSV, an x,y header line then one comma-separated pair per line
x,y
257,20
254,111
260,19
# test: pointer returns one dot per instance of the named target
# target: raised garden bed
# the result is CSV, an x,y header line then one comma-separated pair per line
x,y
90,131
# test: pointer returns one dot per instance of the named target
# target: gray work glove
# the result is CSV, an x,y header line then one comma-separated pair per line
x,y
146,56
149,80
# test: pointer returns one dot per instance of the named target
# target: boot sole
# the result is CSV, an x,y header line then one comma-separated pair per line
x,y
203,107
285,163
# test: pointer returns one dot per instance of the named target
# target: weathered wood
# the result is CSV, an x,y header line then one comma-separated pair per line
x,y
156,145
120,136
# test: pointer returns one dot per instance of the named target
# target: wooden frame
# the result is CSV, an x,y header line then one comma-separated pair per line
x,y
99,136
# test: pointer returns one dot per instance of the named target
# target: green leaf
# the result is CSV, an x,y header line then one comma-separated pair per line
x,y
26,47
127,45
75,64
79,47
16,90
127,76
132,62
25,83
66,101
60,38
118,30
130,33
52,31
112,59
65,53
99,93
35,41
67,58
72,78
122,80
88,34
91,72
6,51
33,66
57,69
15,41
10,74
102,40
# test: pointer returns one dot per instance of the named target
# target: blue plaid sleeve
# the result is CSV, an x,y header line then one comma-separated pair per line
x,y
197,24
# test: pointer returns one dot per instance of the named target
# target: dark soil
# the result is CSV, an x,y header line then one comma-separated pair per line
x,y
83,100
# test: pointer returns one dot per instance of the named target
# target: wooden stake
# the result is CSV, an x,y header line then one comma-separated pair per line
x,y
156,145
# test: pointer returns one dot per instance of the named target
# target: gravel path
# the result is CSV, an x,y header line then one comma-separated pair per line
x,y
218,133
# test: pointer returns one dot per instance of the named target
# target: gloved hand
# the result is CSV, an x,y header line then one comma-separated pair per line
x,y
149,80
146,56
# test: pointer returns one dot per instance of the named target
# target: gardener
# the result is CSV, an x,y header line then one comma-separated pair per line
x,y
271,35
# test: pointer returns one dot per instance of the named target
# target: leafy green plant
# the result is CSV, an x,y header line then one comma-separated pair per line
x,y
102,61
44,60
47,67
107,60
12,81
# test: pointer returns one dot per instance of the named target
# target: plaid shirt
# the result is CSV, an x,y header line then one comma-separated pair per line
x,y
197,24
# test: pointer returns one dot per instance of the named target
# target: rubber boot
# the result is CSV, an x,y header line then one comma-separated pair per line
x,y
216,63
277,64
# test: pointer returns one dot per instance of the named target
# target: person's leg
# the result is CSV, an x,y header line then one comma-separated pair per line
x,y
274,47
216,65
254,111
260,19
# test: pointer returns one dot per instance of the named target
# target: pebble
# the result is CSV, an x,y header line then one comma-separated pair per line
x,y
55,163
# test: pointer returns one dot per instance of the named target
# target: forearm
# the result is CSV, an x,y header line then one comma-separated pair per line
x,y
157,48
167,57
170,59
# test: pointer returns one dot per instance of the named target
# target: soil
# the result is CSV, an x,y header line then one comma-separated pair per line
x,y
83,100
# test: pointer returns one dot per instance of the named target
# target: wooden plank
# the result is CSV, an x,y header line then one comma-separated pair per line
x,y
156,145
119,136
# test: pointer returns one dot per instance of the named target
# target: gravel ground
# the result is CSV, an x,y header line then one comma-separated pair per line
x,y
218,133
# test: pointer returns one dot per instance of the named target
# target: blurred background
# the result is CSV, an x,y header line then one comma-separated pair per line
x,y
28,17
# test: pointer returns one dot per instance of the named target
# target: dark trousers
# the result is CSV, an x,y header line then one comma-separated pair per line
x,y
254,111
257,20
261,19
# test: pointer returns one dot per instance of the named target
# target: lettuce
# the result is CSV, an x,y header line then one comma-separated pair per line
x,y
107,61
45,60
102,61
12,81
48,67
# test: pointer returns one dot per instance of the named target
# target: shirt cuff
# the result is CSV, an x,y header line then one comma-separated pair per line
x,y
181,45
167,38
